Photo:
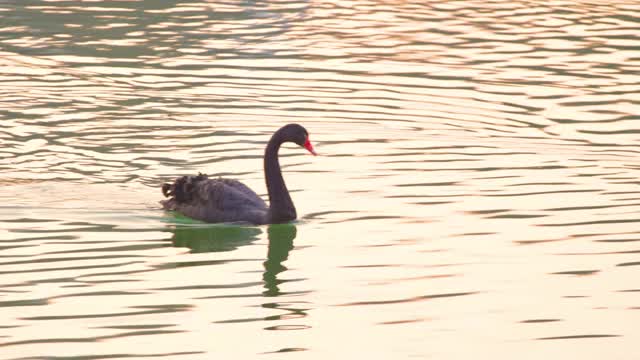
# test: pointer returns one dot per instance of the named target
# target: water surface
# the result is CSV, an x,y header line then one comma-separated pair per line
x,y
477,193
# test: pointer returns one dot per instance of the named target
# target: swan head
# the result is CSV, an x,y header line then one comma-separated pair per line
x,y
298,134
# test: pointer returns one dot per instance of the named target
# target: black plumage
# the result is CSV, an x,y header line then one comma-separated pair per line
x,y
228,200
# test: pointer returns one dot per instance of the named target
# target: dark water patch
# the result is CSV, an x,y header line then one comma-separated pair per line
x,y
125,248
47,341
239,321
610,132
431,160
320,215
374,217
594,222
601,253
487,212
287,350
409,196
572,337
86,267
48,280
497,177
426,203
4,248
152,309
112,273
414,299
255,295
87,242
620,193
101,293
633,263
297,314
401,322
397,154
114,281
174,265
444,183
516,216
534,242
292,309
129,334
114,356
28,302
413,278
30,220
542,184
483,154
86,340
536,168
587,235
40,238
288,327
538,321
86,228
369,266
69,259
137,326
595,207
625,182
577,272
211,287
476,234
545,193
402,242
628,199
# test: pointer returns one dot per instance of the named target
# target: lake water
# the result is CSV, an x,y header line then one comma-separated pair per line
x,y
476,195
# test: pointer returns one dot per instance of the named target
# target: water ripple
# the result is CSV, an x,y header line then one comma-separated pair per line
x,y
451,133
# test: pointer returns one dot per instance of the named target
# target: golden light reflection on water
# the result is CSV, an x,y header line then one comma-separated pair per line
x,y
477,183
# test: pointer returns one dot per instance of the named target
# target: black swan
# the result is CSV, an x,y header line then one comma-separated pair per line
x,y
227,200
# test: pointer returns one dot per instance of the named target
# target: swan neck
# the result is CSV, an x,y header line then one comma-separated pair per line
x,y
281,208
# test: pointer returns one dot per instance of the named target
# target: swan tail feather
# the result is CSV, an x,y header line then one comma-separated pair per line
x,y
183,189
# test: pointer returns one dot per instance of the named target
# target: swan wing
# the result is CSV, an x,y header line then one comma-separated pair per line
x,y
214,200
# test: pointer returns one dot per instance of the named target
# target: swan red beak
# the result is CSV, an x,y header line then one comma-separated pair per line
x,y
308,146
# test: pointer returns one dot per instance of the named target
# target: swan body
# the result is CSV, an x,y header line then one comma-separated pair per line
x,y
215,200
228,200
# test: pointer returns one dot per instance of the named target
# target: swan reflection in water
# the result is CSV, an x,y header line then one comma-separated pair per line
x,y
280,243
217,238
